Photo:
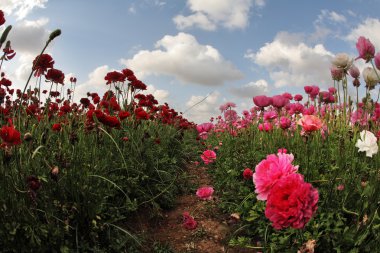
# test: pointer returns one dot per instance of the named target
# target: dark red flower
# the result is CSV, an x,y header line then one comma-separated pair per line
x,y
9,53
124,115
10,136
2,18
141,114
247,174
114,77
188,221
73,79
45,61
5,82
34,184
55,75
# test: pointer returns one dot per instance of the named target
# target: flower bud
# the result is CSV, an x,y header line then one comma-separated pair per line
x,y
54,34
28,137
4,36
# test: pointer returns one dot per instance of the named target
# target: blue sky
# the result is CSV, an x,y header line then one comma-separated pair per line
x,y
228,50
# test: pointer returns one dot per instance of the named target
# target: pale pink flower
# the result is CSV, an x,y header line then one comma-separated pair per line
x,y
205,192
208,156
310,123
271,169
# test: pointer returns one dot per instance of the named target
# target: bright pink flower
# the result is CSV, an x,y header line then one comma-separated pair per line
x,y
205,192
279,101
285,122
271,169
282,150
208,156
291,202
287,95
247,173
308,89
365,49
267,127
310,123
188,221
205,127
298,97
377,61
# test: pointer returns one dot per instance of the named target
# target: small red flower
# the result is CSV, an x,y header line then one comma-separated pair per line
x,y
56,127
55,75
247,174
2,18
189,222
114,77
141,114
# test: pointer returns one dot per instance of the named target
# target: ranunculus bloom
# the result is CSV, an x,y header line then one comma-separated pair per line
x,y
377,61
285,122
205,192
10,136
367,143
114,76
336,73
291,202
2,19
279,101
365,49
298,97
55,75
270,170
57,127
310,123
262,101
205,127
354,72
342,61
370,77
45,61
247,173
188,221
208,156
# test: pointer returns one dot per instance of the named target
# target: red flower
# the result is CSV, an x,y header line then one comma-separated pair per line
x,y
56,127
2,19
291,202
188,221
9,53
114,76
44,62
247,174
5,82
141,114
55,75
10,135
124,115
33,182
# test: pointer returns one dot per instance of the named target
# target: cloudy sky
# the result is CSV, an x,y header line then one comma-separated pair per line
x,y
188,51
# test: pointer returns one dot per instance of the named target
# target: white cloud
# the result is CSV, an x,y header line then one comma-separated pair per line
x,y
183,57
331,16
260,87
201,109
29,36
21,8
293,63
95,83
208,15
368,28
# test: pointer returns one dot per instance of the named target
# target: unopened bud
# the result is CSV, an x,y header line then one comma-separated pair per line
x,y
55,34
4,36
28,137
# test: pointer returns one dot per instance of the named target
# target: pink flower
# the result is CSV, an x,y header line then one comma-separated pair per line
x,y
271,169
310,123
291,202
285,122
188,221
377,61
279,101
282,150
365,49
205,127
262,101
205,192
208,156
267,127
247,173
298,97
340,187
354,72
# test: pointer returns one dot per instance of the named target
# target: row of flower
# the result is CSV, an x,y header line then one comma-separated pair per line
x,y
74,176
327,203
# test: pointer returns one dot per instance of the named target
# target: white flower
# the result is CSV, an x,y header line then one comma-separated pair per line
x,y
342,61
367,143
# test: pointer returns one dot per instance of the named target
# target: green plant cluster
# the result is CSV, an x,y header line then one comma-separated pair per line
x,y
346,220
92,184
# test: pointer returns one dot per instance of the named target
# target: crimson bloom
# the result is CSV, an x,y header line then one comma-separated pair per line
x,y
10,136
189,222
114,76
55,75
365,49
56,127
2,18
44,62
262,101
247,174
291,202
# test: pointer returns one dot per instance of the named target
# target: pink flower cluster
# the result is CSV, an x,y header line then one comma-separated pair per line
x,y
205,193
291,202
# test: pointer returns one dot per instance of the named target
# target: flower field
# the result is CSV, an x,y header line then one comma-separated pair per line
x,y
296,172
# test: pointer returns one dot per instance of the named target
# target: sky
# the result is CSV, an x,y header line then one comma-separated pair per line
x,y
187,51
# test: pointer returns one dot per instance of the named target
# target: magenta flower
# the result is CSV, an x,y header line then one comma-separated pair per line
x,y
298,97
365,49
208,156
285,122
205,193
262,101
279,101
205,127
291,202
270,170
247,173
377,61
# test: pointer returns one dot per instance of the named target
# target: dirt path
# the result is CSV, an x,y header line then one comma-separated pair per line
x,y
211,234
